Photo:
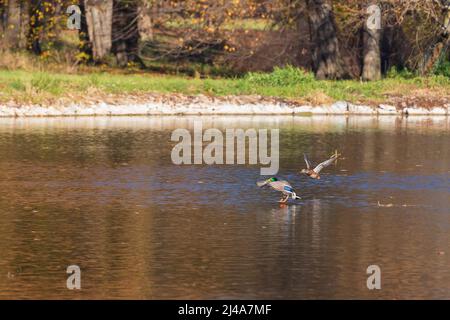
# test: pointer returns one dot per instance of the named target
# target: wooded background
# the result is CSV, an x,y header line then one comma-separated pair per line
x,y
330,38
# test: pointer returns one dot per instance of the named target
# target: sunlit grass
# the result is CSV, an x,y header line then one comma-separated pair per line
x,y
287,83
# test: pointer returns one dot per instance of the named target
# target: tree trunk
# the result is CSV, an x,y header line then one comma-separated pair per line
x,y
85,45
2,22
99,22
12,30
125,42
145,24
326,56
24,23
371,70
432,58
14,23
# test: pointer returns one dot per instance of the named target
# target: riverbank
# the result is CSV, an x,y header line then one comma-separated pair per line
x,y
285,91
203,105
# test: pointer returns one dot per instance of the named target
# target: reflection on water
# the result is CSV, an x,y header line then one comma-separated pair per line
x,y
102,193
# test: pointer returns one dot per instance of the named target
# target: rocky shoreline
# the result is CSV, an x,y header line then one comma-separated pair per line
x,y
176,104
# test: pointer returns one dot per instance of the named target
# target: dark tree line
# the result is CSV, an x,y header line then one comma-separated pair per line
x,y
343,33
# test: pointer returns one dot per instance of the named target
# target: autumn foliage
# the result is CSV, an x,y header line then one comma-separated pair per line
x,y
235,35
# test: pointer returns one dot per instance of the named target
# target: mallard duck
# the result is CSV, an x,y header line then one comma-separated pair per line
x,y
280,185
315,173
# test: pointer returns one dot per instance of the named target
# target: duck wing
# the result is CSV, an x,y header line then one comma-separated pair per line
x,y
261,183
325,164
288,189
280,185
308,163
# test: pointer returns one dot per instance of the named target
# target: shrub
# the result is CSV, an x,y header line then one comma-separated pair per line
x,y
395,73
280,77
443,69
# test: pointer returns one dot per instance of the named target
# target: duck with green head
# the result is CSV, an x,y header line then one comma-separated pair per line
x,y
282,186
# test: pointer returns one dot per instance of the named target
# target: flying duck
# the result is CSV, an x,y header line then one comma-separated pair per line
x,y
315,173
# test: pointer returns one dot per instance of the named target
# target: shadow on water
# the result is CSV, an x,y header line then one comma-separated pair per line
x,y
102,193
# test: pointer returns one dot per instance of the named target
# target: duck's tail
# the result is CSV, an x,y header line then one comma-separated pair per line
x,y
295,197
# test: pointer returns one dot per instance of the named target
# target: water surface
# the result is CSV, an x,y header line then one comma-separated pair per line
x,y
102,193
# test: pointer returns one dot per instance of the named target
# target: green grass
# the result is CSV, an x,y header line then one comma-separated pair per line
x,y
288,83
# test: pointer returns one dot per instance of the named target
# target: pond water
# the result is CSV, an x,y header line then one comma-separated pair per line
x,y
103,194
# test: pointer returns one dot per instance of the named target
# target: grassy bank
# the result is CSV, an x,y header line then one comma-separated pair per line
x,y
26,87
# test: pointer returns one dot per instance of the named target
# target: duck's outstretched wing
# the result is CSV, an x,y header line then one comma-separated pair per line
x,y
261,183
325,164
308,164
